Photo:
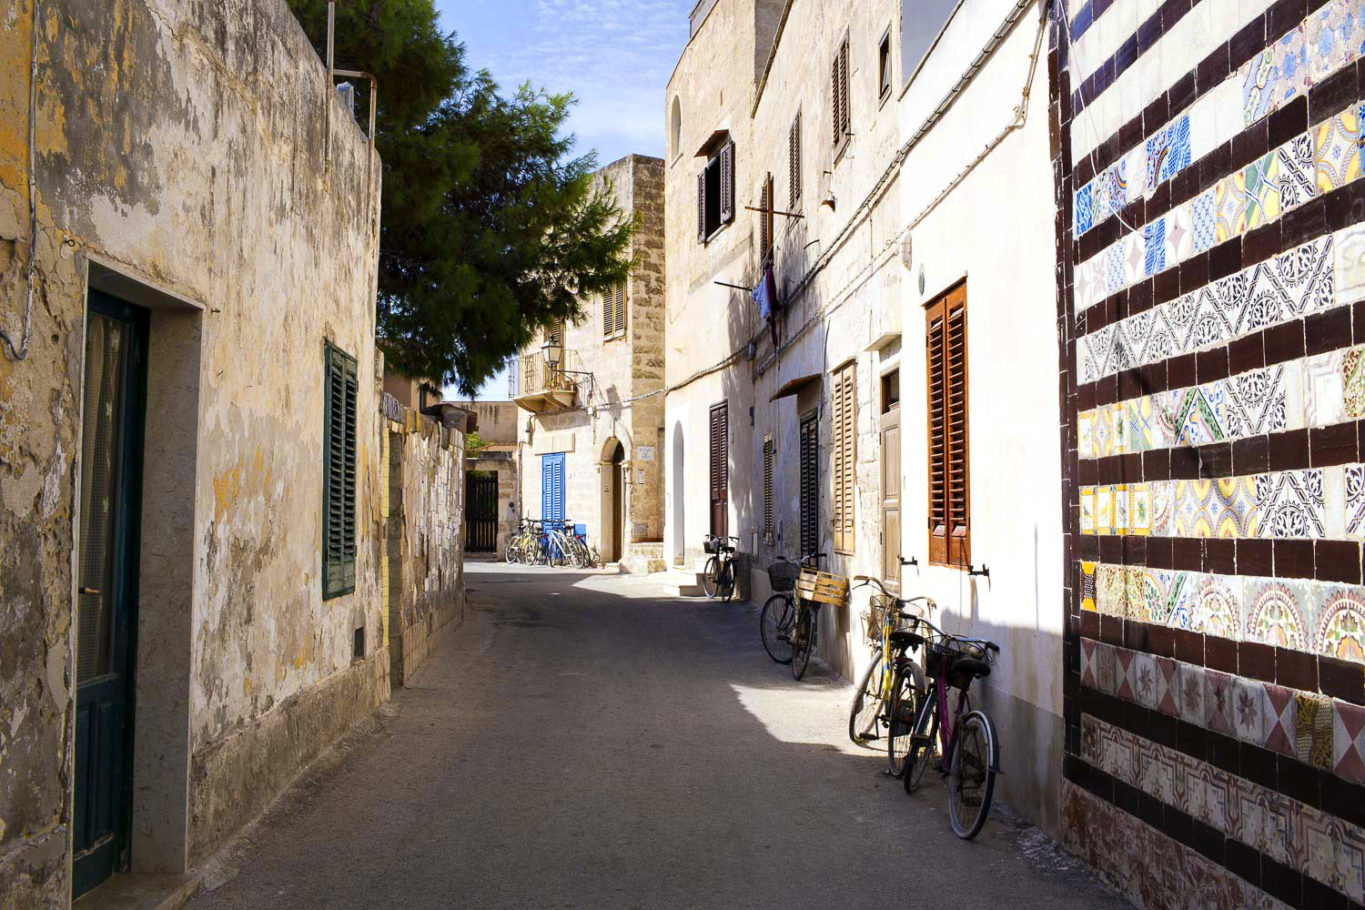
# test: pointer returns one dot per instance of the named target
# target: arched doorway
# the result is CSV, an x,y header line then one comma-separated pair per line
x,y
613,514
679,497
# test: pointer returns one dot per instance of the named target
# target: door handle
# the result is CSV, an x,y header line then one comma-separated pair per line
x,y
94,591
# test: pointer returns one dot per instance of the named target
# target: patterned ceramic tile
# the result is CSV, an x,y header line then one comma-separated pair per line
x,y
1088,593
1185,602
1255,402
1218,610
1261,180
1120,509
1104,510
1276,611
1340,622
1162,493
1106,670
1179,234
1139,509
1191,685
1087,510
1313,730
1324,388
1297,172
1281,719
1326,33
1336,150
1124,674
1154,246
1258,86
1353,382
1114,276
1355,500
1204,220
1248,710
1088,662
1230,207
1227,507
1168,152
1084,208
1291,504
1111,590
1198,414
1147,681
1348,741
1168,696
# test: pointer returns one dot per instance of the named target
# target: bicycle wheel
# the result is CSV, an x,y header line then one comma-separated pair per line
x,y
903,710
725,583
775,625
803,640
708,577
971,778
867,705
922,742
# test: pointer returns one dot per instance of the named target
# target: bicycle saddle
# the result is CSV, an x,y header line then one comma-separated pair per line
x,y
978,668
903,640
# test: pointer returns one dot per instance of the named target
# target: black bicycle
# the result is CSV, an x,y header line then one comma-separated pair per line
x,y
785,623
969,750
718,578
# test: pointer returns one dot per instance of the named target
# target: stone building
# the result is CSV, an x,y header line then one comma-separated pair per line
x,y
588,448
192,454
890,164
1208,163
491,479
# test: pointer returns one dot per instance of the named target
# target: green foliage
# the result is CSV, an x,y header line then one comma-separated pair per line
x,y
491,228
474,444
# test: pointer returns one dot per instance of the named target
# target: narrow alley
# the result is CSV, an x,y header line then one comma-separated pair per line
x,y
585,741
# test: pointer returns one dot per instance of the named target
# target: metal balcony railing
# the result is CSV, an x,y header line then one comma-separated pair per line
x,y
535,382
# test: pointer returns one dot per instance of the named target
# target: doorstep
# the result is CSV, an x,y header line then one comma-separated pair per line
x,y
140,891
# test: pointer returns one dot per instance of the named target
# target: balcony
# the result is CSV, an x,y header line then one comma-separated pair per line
x,y
538,387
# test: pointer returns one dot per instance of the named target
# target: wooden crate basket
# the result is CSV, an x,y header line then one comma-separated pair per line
x,y
822,587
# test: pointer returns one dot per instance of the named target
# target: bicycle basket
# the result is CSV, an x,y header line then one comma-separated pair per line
x,y
711,545
877,607
782,575
941,654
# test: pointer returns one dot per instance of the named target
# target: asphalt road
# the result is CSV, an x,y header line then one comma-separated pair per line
x,y
583,741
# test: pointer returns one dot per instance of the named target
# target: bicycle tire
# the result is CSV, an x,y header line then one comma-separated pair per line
x,y
803,640
867,705
774,627
925,737
975,758
907,700
725,582
708,577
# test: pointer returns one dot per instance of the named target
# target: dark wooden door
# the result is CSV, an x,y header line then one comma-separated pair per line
x,y
810,484
720,469
107,582
481,512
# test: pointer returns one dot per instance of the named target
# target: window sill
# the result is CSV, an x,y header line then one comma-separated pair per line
x,y
614,336
717,232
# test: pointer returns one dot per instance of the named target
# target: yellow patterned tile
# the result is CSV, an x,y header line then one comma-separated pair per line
x,y
1139,509
1087,510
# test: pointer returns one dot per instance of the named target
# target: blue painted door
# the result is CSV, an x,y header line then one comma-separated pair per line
x,y
552,487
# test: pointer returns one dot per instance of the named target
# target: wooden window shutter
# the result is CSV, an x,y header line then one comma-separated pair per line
x,y
769,450
339,470
845,442
794,165
701,206
608,305
727,182
946,382
765,228
836,116
620,314
845,118
810,489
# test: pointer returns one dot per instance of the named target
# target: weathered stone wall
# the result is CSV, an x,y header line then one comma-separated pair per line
x,y
425,538
185,159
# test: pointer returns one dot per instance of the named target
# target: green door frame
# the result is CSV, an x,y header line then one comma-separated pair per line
x,y
102,816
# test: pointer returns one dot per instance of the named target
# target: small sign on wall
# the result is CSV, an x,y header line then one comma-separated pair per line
x,y
644,453
640,475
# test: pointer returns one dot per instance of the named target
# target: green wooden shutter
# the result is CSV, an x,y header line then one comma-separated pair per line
x,y
339,473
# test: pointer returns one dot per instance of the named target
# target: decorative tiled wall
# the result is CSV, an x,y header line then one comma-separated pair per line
x,y
1211,305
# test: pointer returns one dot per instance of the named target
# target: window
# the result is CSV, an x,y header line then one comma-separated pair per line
x,y
839,95
845,396
675,128
716,192
946,360
769,451
614,311
891,390
810,484
339,477
765,221
884,66
794,165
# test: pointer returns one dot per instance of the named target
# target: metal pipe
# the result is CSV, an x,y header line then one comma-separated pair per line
x,y
21,351
331,87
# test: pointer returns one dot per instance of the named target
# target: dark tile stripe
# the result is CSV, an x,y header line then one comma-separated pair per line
x,y
1336,561
1133,47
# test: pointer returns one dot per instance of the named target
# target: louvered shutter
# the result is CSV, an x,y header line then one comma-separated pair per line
x,y
619,324
836,118
810,479
701,206
956,382
765,239
794,165
720,468
938,436
768,452
845,118
727,182
608,305
339,473
844,392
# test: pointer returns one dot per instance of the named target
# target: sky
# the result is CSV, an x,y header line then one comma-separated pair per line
x,y
615,56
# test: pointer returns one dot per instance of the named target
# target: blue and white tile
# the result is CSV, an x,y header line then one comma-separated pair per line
x,y
1084,209
1297,180
1204,220
1154,247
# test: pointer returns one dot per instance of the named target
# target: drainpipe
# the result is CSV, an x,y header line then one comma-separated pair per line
x,y
331,89
20,352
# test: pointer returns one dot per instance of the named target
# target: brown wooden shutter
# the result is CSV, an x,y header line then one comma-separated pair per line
x,y
769,451
835,100
845,441
949,482
701,205
620,316
765,223
846,119
794,164
810,485
727,182
720,468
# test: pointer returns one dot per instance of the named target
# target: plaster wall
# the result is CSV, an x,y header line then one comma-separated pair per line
x,y
185,158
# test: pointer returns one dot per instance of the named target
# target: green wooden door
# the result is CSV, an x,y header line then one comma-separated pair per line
x,y
106,598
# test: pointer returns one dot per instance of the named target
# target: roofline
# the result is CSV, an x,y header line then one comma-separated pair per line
x,y
772,55
690,38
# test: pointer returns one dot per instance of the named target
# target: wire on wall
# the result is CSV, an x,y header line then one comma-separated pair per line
x,y
20,351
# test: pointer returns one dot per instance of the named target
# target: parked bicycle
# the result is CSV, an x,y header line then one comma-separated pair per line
x,y
779,611
893,685
789,622
969,751
526,543
718,578
560,543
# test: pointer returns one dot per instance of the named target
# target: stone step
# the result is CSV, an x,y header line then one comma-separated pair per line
x,y
682,584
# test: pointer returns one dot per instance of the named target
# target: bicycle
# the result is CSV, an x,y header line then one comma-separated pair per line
x,y
813,588
969,750
527,544
892,688
779,611
718,578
